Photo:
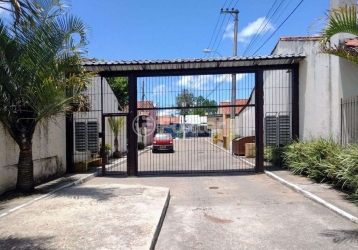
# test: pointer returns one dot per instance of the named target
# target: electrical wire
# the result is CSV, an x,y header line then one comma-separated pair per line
x,y
222,36
279,26
215,29
274,20
260,29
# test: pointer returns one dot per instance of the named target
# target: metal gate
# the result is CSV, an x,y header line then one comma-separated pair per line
x,y
196,112
217,124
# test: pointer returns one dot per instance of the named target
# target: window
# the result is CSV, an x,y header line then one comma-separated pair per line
x,y
86,136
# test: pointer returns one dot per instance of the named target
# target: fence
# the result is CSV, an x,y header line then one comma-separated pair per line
x,y
349,119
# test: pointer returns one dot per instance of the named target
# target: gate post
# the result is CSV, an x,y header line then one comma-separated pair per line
x,y
259,120
132,137
295,102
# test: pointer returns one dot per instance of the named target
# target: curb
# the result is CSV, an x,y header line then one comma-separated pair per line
x,y
313,197
160,222
75,183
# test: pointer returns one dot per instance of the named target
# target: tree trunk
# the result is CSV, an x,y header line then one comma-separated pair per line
x,y
116,143
25,169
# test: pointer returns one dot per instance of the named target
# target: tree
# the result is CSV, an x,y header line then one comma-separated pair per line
x,y
116,126
40,75
29,9
201,101
185,99
119,86
341,20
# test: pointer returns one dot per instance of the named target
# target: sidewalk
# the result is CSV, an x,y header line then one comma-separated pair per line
x,y
133,222
321,193
108,216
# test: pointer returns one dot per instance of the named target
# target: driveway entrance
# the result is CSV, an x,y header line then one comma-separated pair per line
x,y
202,98
193,156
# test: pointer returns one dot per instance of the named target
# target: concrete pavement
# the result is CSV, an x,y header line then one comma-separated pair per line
x,y
106,216
207,212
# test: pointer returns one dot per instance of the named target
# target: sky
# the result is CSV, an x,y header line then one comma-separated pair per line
x,y
182,29
173,29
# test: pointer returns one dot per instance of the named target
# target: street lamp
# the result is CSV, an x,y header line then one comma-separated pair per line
x,y
211,51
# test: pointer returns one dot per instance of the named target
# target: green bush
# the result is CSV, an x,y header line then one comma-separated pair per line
x,y
347,173
140,145
312,158
274,155
324,161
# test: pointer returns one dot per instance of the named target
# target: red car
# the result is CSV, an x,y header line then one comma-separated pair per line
x,y
163,142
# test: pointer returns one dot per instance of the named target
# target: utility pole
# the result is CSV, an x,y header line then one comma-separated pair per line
x,y
235,13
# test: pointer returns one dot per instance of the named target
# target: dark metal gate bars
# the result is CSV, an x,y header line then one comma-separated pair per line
x,y
276,72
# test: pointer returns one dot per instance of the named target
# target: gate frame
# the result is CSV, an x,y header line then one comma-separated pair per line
x,y
257,69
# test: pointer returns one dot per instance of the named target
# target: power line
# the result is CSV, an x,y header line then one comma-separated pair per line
x,y
215,29
279,26
273,21
222,36
259,31
236,3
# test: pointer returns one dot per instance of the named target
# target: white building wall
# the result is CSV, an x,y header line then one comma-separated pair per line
x,y
324,80
110,105
49,153
245,121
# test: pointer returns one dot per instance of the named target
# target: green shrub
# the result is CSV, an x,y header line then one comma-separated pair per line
x,y
107,148
323,160
273,155
347,172
140,145
313,158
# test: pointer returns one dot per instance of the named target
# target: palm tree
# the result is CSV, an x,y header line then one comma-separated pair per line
x,y
116,126
341,20
40,76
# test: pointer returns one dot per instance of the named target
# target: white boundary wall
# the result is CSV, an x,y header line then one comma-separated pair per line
x,y
49,153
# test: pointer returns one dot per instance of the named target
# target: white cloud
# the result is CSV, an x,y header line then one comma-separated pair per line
x,y
227,78
196,82
205,82
159,90
259,25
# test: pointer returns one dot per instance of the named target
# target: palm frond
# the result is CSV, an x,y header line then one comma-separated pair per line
x,y
116,124
341,20
40,67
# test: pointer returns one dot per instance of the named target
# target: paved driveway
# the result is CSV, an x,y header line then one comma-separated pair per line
x,y
243,212
192,155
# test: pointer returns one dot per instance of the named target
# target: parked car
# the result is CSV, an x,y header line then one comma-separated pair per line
x,y
163,142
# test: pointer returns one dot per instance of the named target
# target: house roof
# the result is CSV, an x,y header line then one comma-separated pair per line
x,y
187,64
226,110
353,42
145,104
167,119
141,104
301,38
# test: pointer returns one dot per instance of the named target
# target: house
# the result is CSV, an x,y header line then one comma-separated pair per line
x,y
165,120
223,127
169,124
149,115
323,81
